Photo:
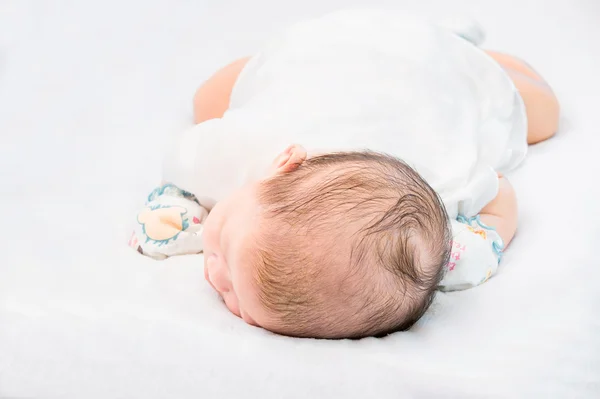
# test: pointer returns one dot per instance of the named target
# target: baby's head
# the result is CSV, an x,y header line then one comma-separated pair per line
x,y
341,245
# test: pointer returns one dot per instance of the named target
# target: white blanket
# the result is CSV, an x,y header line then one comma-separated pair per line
x,y
88,91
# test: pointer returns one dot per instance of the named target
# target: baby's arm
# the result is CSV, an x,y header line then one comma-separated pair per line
x,y
501,213
171,222
478,242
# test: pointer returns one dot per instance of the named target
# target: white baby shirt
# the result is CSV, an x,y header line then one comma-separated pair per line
x,y
363,79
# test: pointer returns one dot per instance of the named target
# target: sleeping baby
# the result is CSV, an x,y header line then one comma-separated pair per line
x,y
339,177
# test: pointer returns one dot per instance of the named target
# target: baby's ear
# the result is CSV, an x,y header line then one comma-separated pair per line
x,y
289,160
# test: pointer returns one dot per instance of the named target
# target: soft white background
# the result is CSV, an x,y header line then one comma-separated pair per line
x,y
89,90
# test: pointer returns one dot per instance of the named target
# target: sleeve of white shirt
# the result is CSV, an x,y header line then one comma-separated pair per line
x,y
475,255
181,165
195,159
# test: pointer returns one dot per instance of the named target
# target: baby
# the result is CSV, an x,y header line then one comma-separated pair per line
x,y
336,236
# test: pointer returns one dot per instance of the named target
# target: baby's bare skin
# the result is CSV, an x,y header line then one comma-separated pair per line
x,y
212,100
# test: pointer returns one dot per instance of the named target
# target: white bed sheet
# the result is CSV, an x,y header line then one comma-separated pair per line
x,y
89,91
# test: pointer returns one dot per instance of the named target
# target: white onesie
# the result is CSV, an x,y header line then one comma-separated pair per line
x,y
366,79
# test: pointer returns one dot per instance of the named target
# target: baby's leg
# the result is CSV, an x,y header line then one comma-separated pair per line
x,y
212,98
540,102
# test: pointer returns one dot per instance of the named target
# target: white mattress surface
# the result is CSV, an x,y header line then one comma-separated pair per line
x,y
89,91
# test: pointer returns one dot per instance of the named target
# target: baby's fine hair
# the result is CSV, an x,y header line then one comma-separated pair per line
x,y
351,244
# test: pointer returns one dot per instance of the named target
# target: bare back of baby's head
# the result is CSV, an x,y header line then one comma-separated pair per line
x,y
349,245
